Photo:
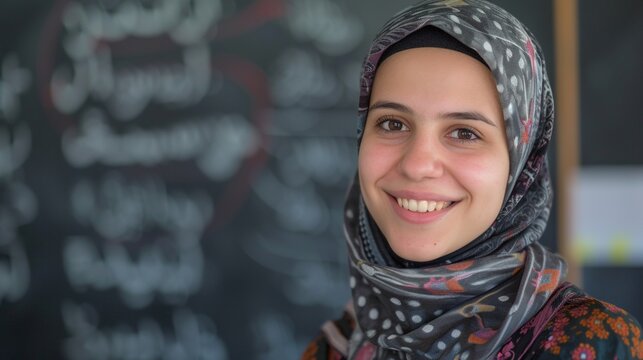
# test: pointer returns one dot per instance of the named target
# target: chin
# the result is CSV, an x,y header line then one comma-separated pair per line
x,y
421,253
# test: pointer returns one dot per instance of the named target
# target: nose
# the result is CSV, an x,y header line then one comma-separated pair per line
x,y
423,158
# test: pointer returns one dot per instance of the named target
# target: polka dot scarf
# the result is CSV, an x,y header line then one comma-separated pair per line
x,y
467,304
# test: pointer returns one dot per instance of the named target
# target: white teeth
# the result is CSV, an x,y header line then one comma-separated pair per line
x,y
413,205
422,205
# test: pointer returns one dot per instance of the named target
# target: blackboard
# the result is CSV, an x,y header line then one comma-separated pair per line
x,y
611,54
172,173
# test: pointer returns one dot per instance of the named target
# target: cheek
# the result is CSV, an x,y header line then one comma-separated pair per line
x,y
485,176
373,162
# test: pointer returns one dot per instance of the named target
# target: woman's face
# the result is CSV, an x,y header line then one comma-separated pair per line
x,y
433,161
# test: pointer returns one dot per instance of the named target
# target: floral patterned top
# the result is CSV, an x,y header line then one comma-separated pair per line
x,y
571,325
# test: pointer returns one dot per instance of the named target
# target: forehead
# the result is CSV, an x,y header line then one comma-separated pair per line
x,y
435,77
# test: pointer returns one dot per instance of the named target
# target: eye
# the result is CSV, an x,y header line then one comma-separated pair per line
x,y
392,125
464,134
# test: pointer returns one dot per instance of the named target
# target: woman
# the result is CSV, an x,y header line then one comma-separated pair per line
x,y
451,198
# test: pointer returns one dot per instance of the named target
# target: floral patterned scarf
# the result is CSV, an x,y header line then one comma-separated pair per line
x,y
469,303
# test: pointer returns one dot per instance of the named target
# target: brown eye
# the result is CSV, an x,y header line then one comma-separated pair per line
x,y
393,125
463,134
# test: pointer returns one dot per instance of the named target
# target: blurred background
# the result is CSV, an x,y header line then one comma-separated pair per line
x,y
172,172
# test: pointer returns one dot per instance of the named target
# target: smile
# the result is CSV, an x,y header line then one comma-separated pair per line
x,y
422,206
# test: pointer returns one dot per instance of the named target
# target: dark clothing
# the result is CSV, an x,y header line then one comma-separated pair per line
x,y
571,325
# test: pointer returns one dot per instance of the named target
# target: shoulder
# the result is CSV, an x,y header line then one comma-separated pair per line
x,y
587,328
332,342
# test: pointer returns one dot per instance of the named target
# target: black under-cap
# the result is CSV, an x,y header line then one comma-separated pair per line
x,y
430,36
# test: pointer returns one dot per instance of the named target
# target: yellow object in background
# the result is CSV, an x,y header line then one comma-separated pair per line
x,y
620,248
582,250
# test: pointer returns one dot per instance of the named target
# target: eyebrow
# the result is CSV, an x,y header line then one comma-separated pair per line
x,y
390,105
467,115
456,115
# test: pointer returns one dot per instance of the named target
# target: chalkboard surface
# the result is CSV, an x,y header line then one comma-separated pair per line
x,y
172,173
611,51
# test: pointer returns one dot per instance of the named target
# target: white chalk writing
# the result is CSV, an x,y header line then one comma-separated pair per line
x,y
14,81
14,271
297,209
186,21
220,144
323,160
312,267
194,337
128,91
15,145
117,209
174,277
15,137
331,29
304,165
18,206
275,338
301,79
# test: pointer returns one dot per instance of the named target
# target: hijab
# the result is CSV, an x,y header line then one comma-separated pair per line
x,y
468,303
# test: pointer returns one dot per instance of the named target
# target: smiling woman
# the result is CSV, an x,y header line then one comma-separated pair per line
x,y
451,198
